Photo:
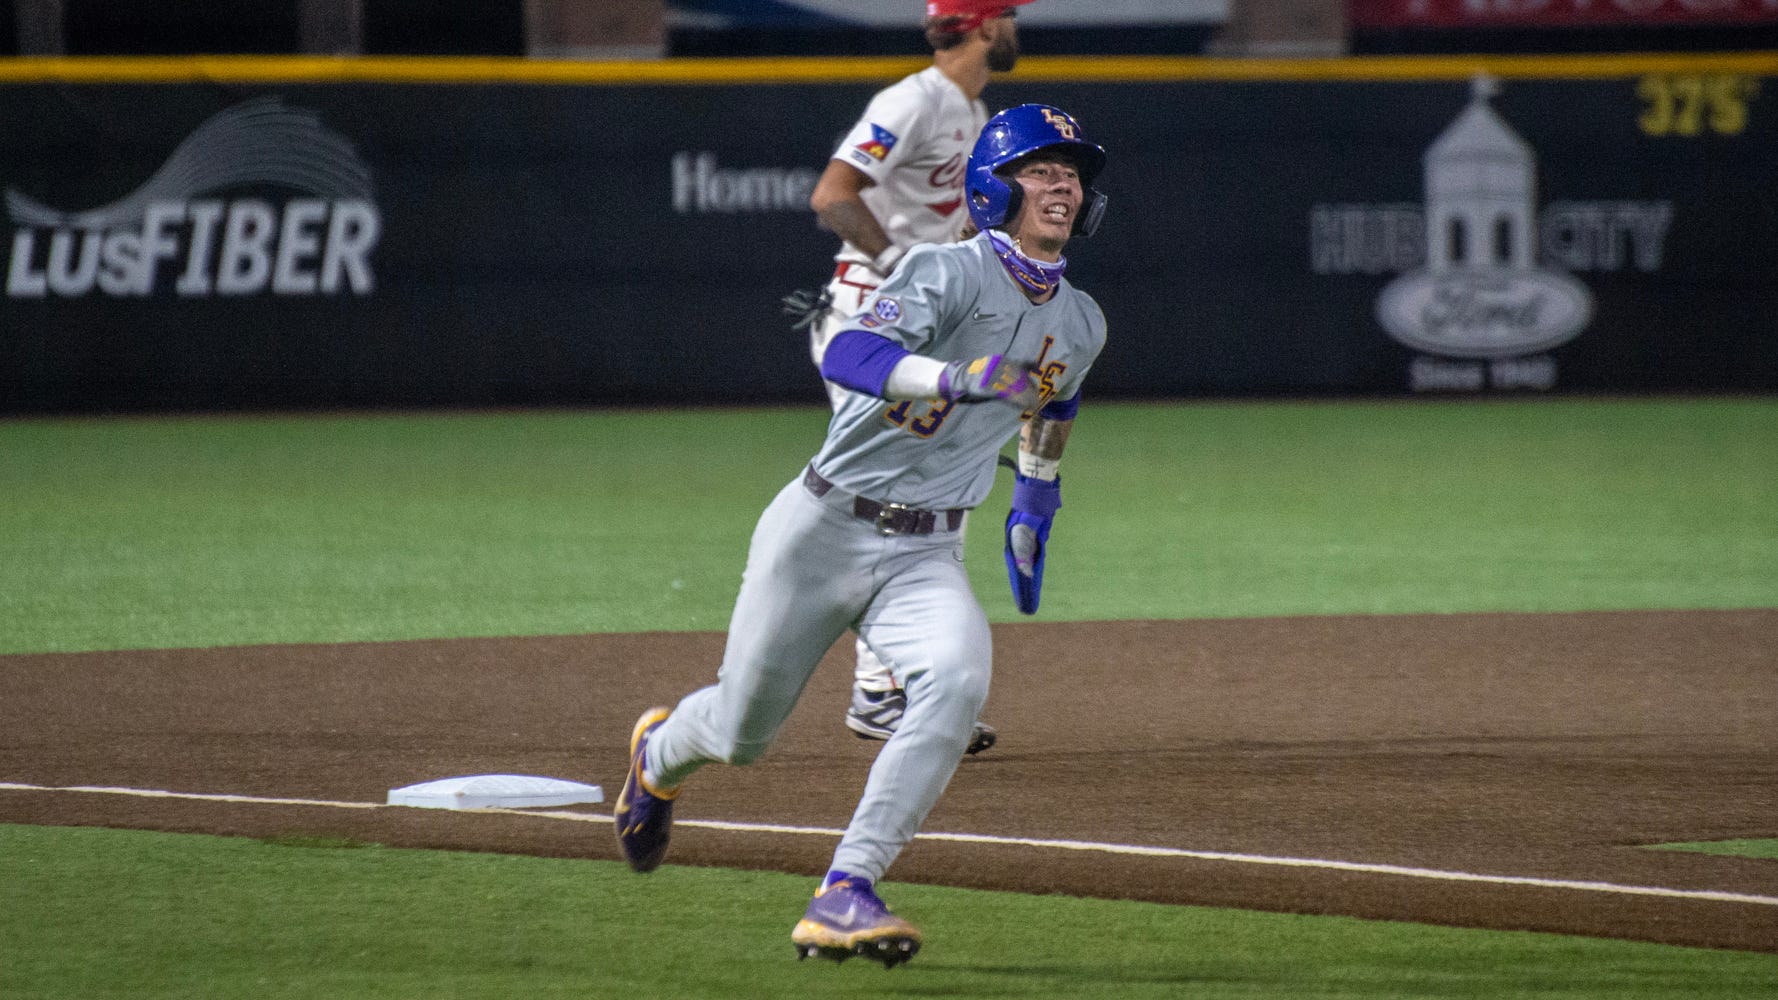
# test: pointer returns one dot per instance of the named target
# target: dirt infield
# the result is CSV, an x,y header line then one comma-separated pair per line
x,y
1544,747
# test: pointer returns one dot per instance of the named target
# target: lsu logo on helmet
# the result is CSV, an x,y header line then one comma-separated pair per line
x,y
1065,126
1016,133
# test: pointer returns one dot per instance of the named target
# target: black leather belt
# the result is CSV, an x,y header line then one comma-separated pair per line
x,y
890,518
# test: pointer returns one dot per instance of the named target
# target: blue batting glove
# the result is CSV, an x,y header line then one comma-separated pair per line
x,y
1034,506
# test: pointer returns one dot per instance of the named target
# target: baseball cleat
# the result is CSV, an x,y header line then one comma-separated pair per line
x,y
874,715
846,918
981,738
644,814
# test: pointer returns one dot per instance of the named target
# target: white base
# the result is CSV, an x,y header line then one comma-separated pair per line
x,y
495,791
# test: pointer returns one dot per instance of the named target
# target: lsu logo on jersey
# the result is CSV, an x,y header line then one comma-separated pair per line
x,y
1048,372
879,144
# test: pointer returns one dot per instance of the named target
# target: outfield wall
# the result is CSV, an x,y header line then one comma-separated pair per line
x,y
246,233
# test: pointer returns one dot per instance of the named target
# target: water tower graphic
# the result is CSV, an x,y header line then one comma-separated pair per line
x,y
1481,293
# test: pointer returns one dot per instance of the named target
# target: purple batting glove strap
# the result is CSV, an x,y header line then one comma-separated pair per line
x,y
1037,496
945,389
955,381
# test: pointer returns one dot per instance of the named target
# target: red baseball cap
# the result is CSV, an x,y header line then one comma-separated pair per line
x,y
973,12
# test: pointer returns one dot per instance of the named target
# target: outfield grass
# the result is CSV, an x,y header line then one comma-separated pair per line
x,y
148,915
201,532
1727,848
177,532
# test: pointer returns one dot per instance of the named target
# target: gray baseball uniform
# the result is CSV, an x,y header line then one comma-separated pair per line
x,y
818,566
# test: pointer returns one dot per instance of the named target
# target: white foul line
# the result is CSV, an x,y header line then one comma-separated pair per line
x,y
980,838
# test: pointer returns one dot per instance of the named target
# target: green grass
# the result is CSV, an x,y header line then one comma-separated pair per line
x,y
204,531
175,532
99,913
1728,848
197,532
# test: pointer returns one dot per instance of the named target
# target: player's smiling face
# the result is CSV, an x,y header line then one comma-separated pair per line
x,y
1051,202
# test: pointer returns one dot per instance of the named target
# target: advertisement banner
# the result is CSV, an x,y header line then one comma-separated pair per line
x,y
202,246
1556,13
743,14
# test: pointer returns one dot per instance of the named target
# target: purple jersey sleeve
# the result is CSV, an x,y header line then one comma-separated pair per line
x,y
861,361
1062,409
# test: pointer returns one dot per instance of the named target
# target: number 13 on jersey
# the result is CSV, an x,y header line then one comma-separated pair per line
x,y
925,425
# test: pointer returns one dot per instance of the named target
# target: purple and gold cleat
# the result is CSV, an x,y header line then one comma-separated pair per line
x,y
644,814
846,918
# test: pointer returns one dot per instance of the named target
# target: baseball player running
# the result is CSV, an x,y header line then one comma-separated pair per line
x,y
896,181
962,346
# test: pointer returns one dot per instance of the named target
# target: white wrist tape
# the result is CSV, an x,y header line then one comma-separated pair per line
x,y
913,377
1032,467
885,262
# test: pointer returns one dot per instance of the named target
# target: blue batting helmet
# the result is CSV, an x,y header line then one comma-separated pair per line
x,y
1014,134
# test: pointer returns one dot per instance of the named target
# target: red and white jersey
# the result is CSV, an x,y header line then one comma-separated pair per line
x,y
914,142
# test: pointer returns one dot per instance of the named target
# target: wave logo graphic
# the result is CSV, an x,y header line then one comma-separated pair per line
x,y
317,242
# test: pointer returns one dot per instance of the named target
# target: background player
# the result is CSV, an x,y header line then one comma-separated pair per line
x,y
895,181
869,536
